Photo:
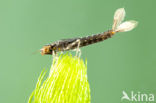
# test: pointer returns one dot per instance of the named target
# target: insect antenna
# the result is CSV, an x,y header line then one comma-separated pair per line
x,y
35,52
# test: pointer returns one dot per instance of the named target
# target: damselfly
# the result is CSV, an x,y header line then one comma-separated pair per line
x,y
70,44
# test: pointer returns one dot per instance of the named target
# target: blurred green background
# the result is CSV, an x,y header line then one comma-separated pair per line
x,y
125,62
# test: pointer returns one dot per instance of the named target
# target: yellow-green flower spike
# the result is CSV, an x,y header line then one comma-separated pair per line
x,y
67,82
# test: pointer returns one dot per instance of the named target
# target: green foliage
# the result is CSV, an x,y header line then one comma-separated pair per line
x,y
67,82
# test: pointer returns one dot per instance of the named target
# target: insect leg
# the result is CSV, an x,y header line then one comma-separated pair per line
x,y
78,49
55,55
78,45
72,44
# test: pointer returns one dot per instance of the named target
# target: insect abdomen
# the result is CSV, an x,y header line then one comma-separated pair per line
x,y
95,38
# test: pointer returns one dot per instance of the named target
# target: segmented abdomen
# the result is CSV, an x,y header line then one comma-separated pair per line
x,y
95,38
69,44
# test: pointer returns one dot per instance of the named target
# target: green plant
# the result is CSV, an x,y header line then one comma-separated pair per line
x,y
67,82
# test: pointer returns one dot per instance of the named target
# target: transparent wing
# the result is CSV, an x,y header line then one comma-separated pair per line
x,y
68,40
119,16
126,26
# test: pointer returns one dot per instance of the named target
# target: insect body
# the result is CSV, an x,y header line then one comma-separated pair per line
x,y
70,44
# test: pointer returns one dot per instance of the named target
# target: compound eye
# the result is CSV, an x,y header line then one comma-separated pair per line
x,y
45,50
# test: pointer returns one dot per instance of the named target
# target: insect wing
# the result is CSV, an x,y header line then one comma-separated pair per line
x,y
127,26
118,17
67,40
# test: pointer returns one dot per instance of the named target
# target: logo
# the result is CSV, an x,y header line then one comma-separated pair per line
x,y
137,96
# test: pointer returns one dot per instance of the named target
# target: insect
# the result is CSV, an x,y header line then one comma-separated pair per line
x,y
70,44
